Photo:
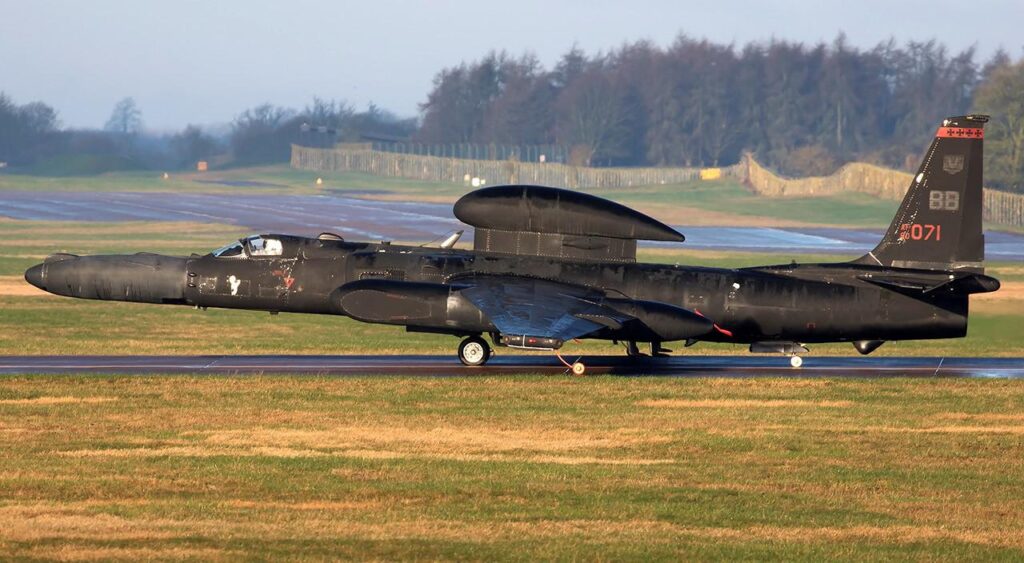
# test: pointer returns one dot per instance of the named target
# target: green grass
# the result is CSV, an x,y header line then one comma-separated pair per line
x,y
730,197
81,165
510,468
49,325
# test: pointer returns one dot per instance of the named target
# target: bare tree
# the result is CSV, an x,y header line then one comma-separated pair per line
x,y
1001,96
592,115
126,118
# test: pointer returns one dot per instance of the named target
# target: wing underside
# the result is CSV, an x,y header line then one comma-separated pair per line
x,y
548,312
536,313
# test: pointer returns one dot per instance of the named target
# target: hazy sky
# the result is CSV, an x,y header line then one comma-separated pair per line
x,y
205,61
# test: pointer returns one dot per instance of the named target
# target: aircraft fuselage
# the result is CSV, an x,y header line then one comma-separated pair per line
x,y
803,303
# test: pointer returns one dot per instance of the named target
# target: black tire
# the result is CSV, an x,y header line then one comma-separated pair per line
x,y
474,351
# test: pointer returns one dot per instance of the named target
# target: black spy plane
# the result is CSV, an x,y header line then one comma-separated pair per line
x,y
549,265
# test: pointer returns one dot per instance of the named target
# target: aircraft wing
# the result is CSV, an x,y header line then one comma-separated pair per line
x,y
535,313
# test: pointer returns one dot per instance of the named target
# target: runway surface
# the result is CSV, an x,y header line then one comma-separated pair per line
x,y
363,219
682,366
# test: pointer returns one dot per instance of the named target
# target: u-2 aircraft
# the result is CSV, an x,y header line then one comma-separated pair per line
x,y
549,265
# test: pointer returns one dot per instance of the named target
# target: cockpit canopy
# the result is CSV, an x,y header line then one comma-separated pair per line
x,y
256,246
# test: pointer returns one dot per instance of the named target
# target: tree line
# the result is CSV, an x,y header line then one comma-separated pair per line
x,y
802,109
32,139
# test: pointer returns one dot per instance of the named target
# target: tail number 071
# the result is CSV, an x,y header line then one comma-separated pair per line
x,y
919,231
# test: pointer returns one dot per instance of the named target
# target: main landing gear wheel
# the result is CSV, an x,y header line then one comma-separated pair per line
x,y
474,351
796,361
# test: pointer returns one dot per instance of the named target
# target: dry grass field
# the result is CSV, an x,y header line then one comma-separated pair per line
x,y
510,468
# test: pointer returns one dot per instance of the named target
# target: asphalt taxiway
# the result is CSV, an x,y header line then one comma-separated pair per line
x,y
681,366
365,219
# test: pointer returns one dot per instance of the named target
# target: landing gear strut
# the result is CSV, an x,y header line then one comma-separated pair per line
x,y
658,352
474,351
632,350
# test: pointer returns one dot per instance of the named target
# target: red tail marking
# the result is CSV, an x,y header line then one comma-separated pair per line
x,y
960,133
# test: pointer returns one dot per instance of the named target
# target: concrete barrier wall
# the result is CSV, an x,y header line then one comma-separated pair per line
x,y
1002,208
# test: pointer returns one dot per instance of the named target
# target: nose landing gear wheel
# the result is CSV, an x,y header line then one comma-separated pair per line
x,y
796,361
474,351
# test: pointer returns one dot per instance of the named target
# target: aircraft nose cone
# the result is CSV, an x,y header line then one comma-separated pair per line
x,y
34,276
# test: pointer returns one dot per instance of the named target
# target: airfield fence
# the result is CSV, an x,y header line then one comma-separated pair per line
x,y
476,151
1002,208
440,169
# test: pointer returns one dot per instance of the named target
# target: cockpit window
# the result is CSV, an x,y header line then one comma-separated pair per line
x,y
233,250
254,246
259,246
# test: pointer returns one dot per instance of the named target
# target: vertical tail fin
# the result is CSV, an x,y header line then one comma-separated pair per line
x,y
938,225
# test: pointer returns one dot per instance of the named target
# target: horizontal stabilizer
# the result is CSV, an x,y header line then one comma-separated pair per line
x,y
966,285
930,285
